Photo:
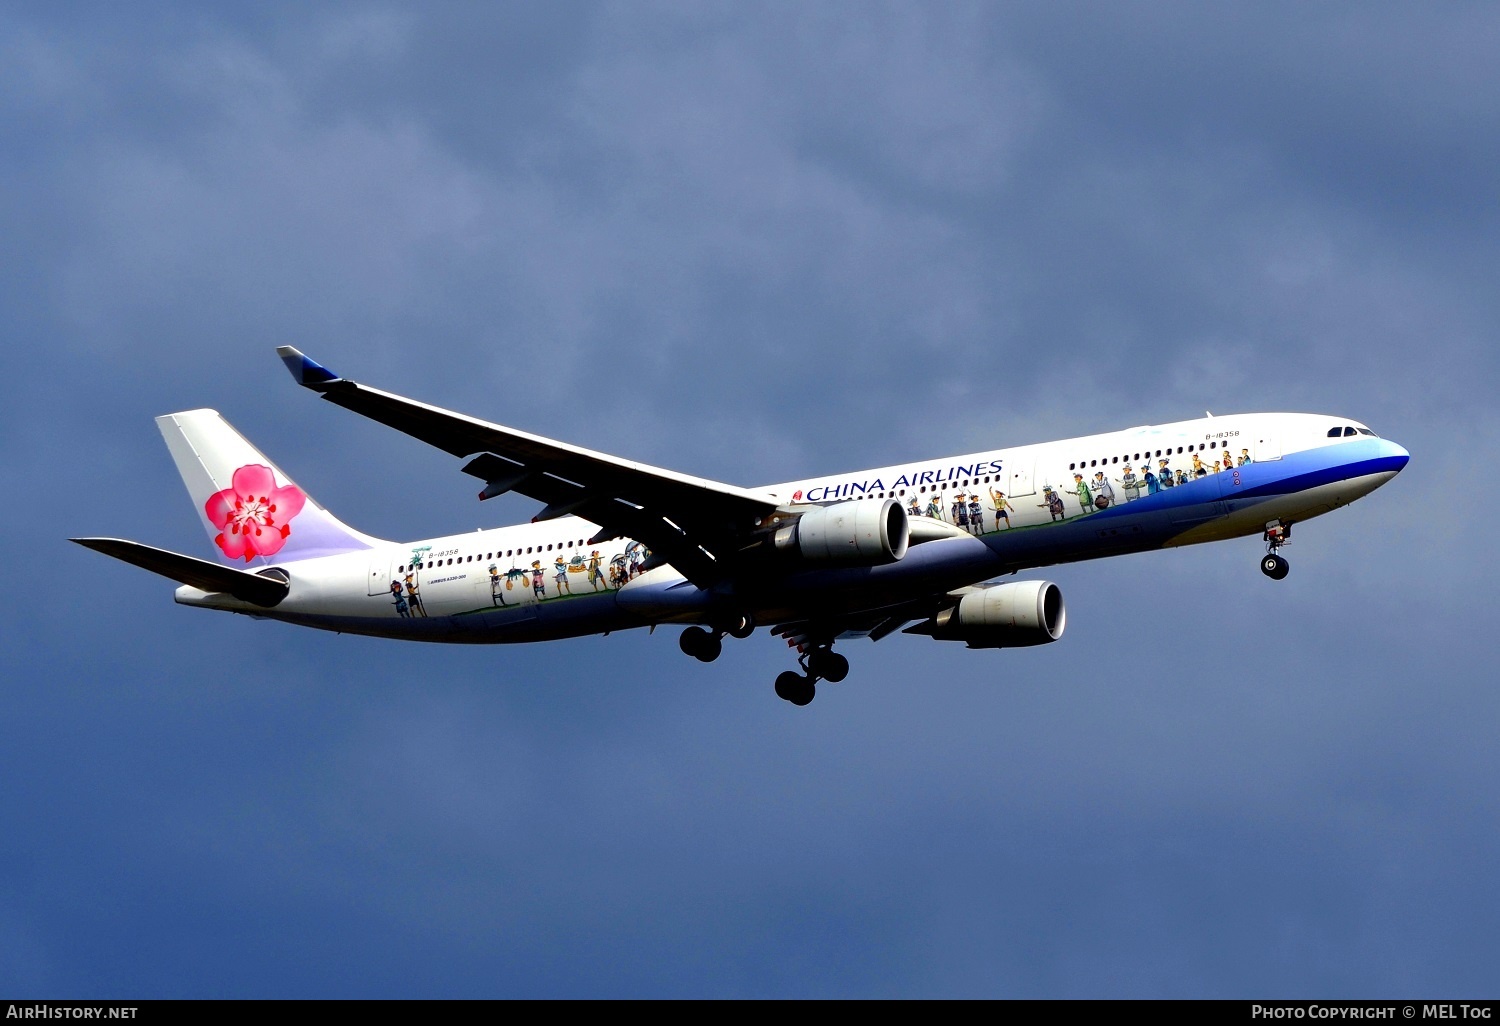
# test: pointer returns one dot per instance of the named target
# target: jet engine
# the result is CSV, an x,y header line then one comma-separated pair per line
x,y
847,534
1002,616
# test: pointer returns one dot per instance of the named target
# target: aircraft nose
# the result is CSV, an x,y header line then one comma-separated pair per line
x,y
1396,456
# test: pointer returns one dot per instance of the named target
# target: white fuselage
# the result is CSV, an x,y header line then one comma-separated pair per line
x,y
974,517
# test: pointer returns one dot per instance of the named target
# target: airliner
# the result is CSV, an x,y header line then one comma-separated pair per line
x,y
916,547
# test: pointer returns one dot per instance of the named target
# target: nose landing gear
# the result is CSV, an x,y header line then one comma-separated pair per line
x,y
1272,565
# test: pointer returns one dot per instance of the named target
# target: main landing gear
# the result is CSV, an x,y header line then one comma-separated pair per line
x,y
705,645
820,663
1272,565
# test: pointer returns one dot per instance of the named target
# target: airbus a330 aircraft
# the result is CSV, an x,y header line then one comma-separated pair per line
x,y
619,544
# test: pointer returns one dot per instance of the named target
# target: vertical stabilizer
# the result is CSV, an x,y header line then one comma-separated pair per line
x,y
252,511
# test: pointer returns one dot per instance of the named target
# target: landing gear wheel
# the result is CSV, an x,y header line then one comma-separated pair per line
x,y
828,665
787,685
1274,567
741,627
701,644
805,691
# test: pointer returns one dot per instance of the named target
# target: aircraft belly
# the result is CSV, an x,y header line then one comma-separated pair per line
x,y
932,567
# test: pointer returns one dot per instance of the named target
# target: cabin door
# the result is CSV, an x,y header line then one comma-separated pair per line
x,y
1267,447
1022,479
379,580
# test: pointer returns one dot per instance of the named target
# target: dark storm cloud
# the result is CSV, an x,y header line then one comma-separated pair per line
x,y
751,243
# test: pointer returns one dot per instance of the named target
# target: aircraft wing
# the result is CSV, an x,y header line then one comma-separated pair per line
x,y
697,525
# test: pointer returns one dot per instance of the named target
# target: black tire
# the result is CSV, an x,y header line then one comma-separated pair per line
x,y
696,641
815,661
806,691
712,648
1274,567
787,685
831,666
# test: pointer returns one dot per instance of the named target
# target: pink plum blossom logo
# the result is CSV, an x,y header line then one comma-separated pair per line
x,y
253,515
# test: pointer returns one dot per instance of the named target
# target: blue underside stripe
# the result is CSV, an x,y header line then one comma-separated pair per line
x,y
1321,476
1293,473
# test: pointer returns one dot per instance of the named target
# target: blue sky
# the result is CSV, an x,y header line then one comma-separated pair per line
x,y
751,242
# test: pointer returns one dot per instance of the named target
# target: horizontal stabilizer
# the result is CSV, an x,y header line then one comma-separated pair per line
x,y
198,573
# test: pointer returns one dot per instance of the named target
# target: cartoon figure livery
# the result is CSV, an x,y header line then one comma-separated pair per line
x,y
1003,509
413,599
1085,497
1149,479
1104,492
1053,504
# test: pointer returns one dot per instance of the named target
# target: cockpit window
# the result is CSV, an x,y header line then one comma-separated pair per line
x,y
1367,431
1349,431
1334,432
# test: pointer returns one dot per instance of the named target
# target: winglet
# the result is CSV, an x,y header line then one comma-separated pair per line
x,y
306,372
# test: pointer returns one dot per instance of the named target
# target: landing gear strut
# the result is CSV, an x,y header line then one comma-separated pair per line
x,y
820,663
1272,565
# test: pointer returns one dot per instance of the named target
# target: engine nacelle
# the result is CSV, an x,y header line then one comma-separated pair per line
x,y
1004,616
847,534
